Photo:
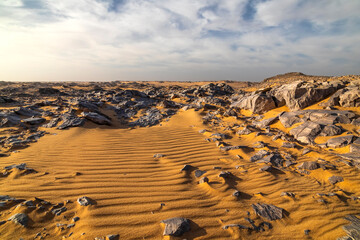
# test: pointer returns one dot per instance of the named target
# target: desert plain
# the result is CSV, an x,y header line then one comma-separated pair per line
x,y
276,159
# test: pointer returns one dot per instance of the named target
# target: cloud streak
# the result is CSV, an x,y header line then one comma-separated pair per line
x,y
176,40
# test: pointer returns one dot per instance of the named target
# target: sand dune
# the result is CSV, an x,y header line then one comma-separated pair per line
x,y
133,178
116,168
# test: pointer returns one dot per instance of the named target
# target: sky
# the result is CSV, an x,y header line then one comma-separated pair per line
x,y
176,40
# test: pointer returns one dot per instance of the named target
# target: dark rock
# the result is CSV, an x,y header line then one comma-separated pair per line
x,y
187,167
34,121
310,165
53,122
176,226
48,91
335,179
225,174
236,226
287,194
75,219
268,211
59,211
340,141
20,218
236,193
26,112
96,118
266,168
85,201
113,237
21,166
152,117
307,232
70,121
159,155
204,180
199,173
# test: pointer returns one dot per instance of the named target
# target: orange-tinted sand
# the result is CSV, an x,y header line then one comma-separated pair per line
x,y
116,168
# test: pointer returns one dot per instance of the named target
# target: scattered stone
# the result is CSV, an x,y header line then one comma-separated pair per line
x,y
236,193
34,121
287,194
84,201
266,168
113,237
176,226
225,174
187,167
58,211
310,165
307,232
204,180
340,141
70,121
236,226
158,155
199,173
335,179
268,211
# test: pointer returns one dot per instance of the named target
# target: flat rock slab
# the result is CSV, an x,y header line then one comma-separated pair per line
x,y
20,218
340,141
268,211
176,226
96,118
34,121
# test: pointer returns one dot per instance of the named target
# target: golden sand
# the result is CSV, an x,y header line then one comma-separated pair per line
x,y
115,167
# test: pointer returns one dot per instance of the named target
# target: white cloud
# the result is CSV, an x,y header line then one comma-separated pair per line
x,y
169,40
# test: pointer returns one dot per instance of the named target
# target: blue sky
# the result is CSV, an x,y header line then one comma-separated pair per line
x,y
248,40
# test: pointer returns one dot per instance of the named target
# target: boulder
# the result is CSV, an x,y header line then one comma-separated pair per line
x,y
288,119
96,118
70,121
300,94
258,103
34,121
340,141
350,98
331,130
176,226
306,132
26,111
268,211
